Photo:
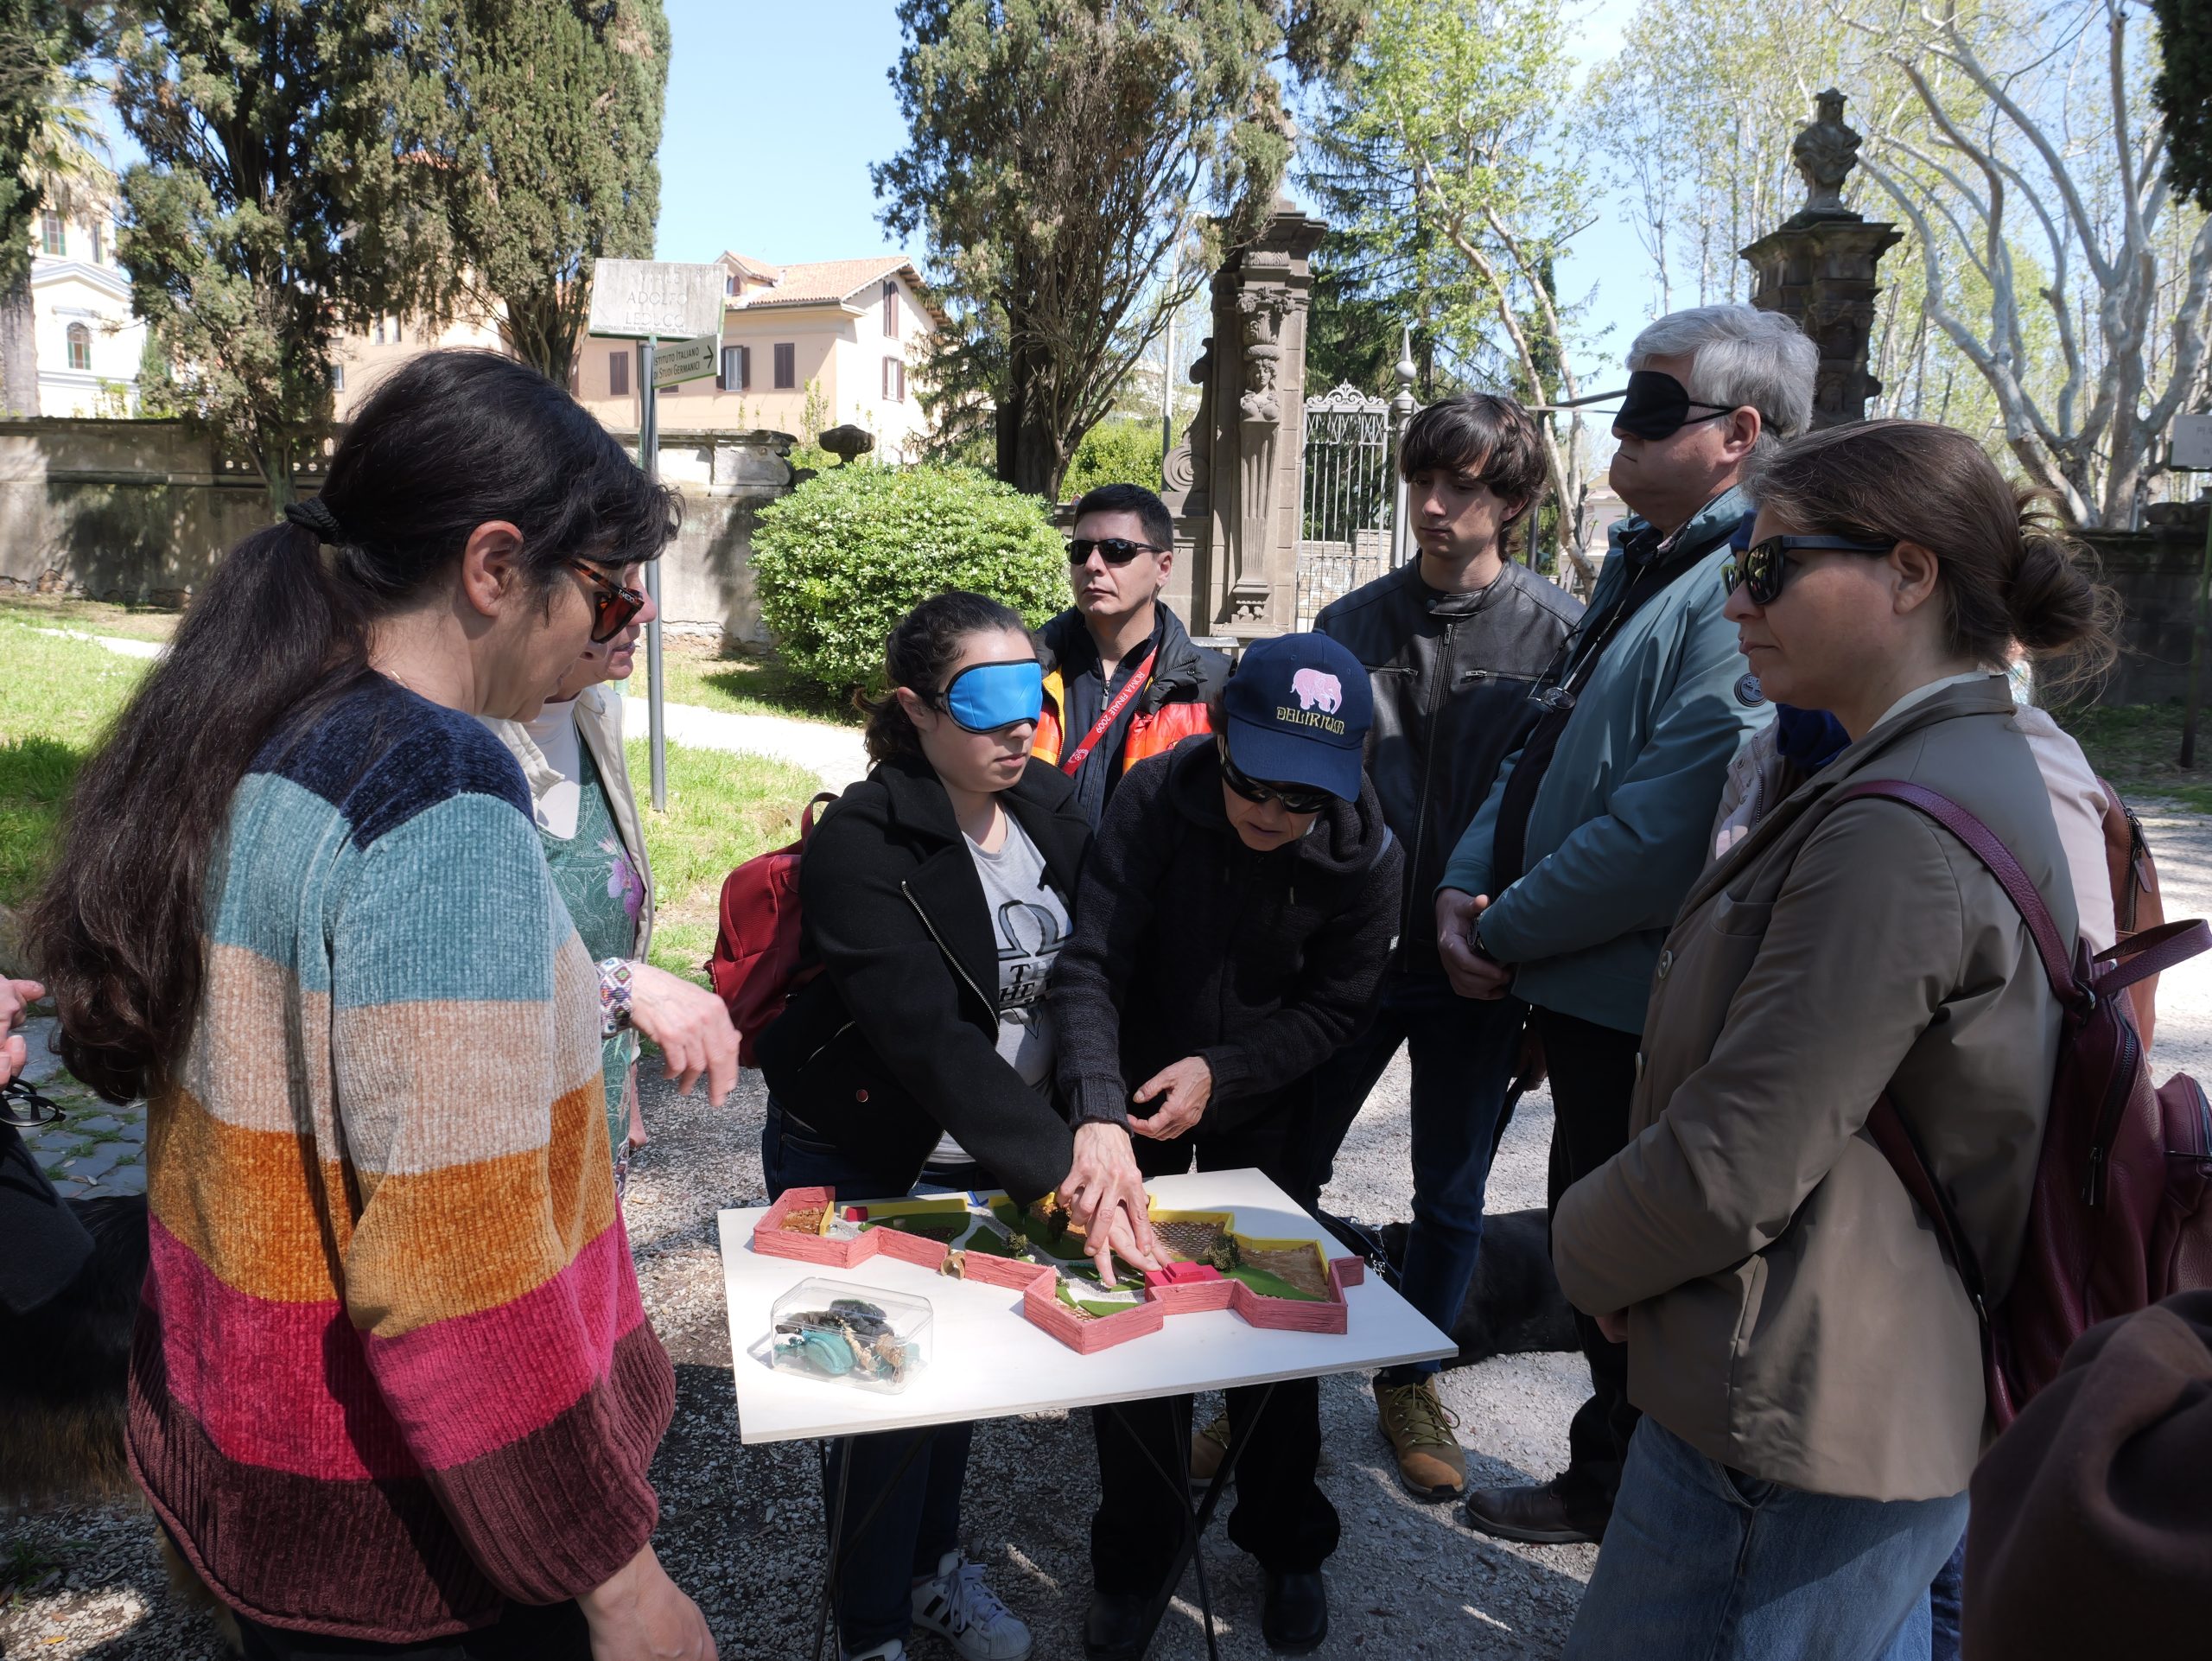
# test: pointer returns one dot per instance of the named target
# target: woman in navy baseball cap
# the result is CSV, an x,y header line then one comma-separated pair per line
x,y
1232,928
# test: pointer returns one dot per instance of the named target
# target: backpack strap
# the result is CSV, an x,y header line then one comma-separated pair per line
x,y
2152,952
1983,843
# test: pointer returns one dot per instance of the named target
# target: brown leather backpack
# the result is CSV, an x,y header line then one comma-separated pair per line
x,y
2135,903
2121,1214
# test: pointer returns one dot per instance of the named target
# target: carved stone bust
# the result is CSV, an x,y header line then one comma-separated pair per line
x,y
1825,153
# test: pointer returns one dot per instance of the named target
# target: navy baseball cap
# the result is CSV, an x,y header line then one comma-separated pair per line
x,y
1299,708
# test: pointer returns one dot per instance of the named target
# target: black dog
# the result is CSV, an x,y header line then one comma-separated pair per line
x,y
1515,1306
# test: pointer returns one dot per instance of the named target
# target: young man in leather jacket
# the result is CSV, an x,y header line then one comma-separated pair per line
x,y
1452,643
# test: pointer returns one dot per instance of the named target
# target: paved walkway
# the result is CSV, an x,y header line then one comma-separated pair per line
x,y
97,1147
835,755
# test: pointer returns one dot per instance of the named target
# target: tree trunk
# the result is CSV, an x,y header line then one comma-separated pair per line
x,y
18,349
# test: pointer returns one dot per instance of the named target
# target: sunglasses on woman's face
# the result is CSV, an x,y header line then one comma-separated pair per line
x,y
613,604
1115,550
1761,567
1295,798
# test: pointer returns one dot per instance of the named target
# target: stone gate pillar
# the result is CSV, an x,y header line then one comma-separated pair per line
x,y
1234,483
1818,269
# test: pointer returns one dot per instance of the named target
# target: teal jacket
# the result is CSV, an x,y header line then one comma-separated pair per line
x,y
1621,822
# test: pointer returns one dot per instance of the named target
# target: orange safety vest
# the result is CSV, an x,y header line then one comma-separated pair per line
x,y
1151,732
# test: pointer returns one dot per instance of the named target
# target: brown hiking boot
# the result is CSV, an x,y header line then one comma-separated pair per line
x,y
1431,1464
1209,1446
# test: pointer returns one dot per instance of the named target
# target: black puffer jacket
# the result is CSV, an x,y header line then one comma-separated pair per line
x,y
1188,942
896,1040
1451,674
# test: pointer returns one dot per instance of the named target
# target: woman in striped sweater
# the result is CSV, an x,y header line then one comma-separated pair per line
x,y
393,1384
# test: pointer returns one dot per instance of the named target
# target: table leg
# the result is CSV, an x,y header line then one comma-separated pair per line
x,y
1200,1515
834,1559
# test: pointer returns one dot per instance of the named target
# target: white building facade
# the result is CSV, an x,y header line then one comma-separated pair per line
x,y
89,345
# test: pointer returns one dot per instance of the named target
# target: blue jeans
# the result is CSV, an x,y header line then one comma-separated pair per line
x,y
918,1518
1946,1606
1464,1054
1704,1563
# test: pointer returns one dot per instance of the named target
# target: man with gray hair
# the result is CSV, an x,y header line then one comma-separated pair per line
x,y
1562,889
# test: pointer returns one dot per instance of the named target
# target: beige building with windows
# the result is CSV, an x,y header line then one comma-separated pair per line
x,y
89,344
804,347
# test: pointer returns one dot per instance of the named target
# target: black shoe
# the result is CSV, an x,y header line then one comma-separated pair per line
x,y
1533,1514
1113,1628
1294,1617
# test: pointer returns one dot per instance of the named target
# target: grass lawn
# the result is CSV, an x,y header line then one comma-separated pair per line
x,y
739,683
2136,745
90,616
57,695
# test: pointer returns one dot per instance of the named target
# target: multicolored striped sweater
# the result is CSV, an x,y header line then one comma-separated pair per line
x,y
392,1368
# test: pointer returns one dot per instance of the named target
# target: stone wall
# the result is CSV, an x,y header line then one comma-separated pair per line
x,y
141,511
2155,572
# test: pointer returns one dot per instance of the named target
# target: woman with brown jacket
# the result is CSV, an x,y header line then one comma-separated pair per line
x,y
1807,1360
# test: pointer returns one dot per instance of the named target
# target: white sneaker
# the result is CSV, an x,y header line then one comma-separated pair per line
x,y
893,1651
955,1604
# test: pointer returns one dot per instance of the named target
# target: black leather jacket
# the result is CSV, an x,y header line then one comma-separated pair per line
x,y
1451,674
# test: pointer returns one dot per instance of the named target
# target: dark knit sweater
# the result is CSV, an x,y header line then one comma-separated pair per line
x,y
1188,942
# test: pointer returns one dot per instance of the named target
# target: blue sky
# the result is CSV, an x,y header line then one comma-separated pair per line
x,y
775,112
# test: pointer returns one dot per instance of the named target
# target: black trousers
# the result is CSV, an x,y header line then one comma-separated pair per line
x,y
1594,1076
524,1632
1282,1518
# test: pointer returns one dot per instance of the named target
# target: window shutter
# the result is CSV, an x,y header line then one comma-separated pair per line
x,y
891,310
618,373
902,380
744,368
786,366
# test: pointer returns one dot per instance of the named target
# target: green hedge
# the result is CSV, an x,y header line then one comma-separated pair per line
x,y
838,562
1117,452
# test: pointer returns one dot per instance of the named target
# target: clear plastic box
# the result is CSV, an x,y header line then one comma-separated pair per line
x,y
842,1333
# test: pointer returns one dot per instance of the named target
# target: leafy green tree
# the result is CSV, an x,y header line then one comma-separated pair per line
x,y
1122,451
1064,158
274,206
45,154
838,562
2184,94
544,119
1451,111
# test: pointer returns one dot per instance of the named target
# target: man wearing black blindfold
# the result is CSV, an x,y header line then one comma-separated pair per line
x,y
1561,890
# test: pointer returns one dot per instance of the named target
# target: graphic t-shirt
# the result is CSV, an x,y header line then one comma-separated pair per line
x,y
1031,926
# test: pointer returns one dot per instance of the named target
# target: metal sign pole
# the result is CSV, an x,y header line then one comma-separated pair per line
x,y
649,459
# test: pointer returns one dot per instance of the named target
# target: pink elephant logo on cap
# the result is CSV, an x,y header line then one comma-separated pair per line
x,y
1317,689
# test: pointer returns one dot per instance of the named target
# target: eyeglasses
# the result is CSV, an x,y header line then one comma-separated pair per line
x,y
613,604
1115,550
1761,567
1296,798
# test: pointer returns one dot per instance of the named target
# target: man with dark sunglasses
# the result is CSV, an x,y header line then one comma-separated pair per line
x,y
1122,679
1562,890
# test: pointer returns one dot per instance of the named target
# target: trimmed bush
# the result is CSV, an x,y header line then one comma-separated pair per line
x,y
1117,452
838,562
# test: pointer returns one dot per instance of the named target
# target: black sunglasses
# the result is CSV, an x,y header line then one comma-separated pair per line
x,y
1762,566
1115,550
1296,798
613,604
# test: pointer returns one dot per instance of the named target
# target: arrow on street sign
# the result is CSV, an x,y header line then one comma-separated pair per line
x,y
646,299
675,361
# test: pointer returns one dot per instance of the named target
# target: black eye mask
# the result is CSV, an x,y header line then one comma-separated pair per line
x,y
1658,406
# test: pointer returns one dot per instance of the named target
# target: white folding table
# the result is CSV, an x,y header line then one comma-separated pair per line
x,y
987,1361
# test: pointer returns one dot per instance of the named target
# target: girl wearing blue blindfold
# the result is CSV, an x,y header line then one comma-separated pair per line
x,y
936,896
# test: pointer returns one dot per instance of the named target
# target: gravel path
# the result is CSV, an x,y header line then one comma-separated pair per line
x,y
741,1528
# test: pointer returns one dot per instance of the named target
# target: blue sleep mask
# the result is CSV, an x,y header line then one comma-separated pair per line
x,y
986,696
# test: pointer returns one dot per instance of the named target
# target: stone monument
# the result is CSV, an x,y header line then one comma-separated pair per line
x,y
1818,269
1233,483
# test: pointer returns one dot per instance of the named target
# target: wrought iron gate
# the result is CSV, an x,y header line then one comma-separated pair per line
x,y
1346,497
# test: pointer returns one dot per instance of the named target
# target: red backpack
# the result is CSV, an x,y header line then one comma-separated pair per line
x,y
755,966
2119,1218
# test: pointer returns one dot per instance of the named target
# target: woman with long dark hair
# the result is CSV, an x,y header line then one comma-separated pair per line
x,y
1807,1361
937,894
393,1384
